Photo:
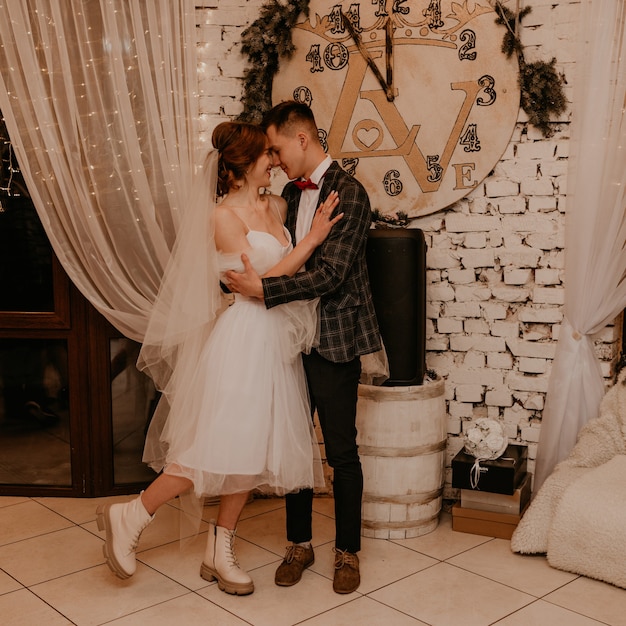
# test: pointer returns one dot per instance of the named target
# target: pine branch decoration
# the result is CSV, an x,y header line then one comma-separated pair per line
x,y
542,94
265,42
382,220
511,43
541,86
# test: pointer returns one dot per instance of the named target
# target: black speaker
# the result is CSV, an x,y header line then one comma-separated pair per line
x,y
396,262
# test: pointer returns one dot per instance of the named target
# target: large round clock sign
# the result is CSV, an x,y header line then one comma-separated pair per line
x,y
413,97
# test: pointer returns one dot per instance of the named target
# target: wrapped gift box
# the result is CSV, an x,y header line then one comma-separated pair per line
x,y
500,525
501,475
498,502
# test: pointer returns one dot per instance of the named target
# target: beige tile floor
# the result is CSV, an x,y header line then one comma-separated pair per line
x,y
52,572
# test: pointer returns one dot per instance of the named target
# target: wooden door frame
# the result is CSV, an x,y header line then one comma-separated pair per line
x,y
88,338
67,322
100,334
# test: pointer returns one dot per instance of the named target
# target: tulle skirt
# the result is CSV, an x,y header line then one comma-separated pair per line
x,y
242,420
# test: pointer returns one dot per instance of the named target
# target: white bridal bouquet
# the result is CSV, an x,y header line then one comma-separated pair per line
x,y
485,439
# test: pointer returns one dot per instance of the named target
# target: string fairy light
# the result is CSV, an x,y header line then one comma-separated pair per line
x,y
10,167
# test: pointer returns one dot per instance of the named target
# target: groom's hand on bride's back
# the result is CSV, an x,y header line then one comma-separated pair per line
x,y
247,282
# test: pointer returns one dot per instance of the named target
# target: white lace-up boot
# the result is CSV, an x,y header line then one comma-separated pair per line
x,y
221,563
123,523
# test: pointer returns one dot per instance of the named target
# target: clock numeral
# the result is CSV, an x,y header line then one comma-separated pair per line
x,y
393,184
354,15
436,171
303,95
336,56
399,9
315,59
487,83
470,139
349,165
469,37
322,135
336,19
433,13
381,11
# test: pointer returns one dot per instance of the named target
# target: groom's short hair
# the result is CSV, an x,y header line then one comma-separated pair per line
x,y
288,116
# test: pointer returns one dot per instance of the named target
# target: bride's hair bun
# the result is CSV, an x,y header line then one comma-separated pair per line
x,y
239,145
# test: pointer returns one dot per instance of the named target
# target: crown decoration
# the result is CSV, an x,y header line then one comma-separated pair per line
x,y
268,40
430,29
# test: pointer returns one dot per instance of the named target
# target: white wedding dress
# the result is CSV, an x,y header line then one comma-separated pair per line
x,y
242,421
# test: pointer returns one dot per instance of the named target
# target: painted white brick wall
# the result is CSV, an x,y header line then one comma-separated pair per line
x,y
495,259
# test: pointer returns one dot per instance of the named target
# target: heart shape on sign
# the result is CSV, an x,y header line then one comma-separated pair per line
x,y
367,135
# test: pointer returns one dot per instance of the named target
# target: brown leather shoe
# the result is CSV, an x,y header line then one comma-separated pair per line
x,y
347,578
297,559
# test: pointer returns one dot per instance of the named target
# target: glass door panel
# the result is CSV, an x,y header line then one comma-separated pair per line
x,y
133,400
34,412
25,259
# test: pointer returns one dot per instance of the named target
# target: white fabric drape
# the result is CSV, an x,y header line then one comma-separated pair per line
x,y
99,98
595,229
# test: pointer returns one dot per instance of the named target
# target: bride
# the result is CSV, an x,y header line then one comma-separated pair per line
x,y
235,414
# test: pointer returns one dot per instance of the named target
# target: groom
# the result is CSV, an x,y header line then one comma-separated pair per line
x,y
337,273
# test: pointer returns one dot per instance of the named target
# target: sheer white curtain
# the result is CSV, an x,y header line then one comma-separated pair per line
x,y
99,98
595,229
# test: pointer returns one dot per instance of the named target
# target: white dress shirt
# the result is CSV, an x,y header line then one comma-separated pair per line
x,y
309,201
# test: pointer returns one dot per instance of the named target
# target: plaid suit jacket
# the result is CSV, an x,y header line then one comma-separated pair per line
x,y
336,272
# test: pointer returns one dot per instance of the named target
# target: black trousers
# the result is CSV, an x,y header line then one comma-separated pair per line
x,y
334,391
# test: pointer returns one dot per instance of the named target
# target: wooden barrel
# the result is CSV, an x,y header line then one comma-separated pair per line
x,y
402,433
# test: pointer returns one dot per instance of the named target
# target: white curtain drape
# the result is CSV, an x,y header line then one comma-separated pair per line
x,y
100,101
595,229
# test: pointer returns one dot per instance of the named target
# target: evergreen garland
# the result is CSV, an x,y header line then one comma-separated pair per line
x,y
541,86
382,220
264,42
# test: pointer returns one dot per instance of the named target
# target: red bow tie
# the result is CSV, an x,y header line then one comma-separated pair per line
x,y
305,184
